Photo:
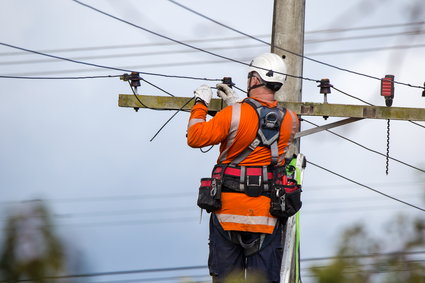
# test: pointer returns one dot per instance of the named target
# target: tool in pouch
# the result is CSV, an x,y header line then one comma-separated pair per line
x,y
286,192
209,197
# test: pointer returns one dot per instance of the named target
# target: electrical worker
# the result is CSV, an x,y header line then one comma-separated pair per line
x,y
245,239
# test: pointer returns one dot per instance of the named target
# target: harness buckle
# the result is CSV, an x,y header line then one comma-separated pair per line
x,y
253,181
253,186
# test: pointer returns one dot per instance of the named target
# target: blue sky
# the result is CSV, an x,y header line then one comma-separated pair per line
x,y
122,202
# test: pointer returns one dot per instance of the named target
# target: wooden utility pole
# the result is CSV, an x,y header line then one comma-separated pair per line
x,y
288,34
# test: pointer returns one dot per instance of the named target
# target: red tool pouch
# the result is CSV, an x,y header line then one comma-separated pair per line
x,y
285,196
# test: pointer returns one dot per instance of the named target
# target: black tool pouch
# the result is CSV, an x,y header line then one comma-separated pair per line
x,y
209,197
285,200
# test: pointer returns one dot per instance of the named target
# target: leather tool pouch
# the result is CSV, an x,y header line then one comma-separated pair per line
x,y
209,197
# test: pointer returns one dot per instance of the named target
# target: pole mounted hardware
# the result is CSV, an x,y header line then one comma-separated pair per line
x,y
387,89
325,88
133,80
423,92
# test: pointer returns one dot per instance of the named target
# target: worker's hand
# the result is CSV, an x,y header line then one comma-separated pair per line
x,y
204,94
228,95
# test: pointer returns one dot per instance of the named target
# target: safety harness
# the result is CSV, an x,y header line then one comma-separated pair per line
x,y
254,180
251,180
270,120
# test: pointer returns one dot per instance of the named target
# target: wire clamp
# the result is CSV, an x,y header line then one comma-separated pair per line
x,y
228,81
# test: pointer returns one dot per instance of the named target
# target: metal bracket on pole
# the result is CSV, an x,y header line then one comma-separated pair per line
x,y
326,127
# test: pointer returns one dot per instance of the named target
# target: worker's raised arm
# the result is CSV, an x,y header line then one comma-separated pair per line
x,y
202,133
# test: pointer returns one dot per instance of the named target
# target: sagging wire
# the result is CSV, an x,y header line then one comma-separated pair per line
x,y
134,81
171,118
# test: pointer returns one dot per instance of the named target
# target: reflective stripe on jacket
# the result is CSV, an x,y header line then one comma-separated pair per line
x,y
235,127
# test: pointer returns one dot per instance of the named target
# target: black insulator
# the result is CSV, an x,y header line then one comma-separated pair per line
x,y
325,86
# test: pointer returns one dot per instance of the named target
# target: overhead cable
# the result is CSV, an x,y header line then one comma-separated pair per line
x,y
367,187
369,149
280,48
183,43
194,267
355,97
109,273
106,56
102,66
58,78
238,47
167,43
338,30
312,41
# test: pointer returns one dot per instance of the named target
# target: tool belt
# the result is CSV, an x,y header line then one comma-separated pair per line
x,y
251,180
283,191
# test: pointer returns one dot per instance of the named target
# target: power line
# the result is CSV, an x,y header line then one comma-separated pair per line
x,y
205,277
58,78
338,30
155,53
138,45
109,273
367,187
262,41
352,96
119,46
102,66
369,149
177,64
361,50
364,255
194,267
180,42
106,56
365,36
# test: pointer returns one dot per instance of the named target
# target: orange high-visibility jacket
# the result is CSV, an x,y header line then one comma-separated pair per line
x,y
235,127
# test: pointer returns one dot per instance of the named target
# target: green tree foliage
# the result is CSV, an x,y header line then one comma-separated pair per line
x,y
30,249
388,259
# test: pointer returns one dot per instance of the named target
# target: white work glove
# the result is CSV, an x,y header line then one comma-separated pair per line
x,y
228,95
204,94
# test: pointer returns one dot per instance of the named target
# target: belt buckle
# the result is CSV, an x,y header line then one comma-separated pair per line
x,y
253,186
250,182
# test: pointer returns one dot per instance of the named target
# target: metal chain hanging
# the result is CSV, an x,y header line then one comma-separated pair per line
x,y
388,146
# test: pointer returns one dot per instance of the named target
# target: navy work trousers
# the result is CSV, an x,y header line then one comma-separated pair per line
x,y
228,260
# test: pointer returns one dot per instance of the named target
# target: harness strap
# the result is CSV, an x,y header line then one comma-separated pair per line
x,y
256,142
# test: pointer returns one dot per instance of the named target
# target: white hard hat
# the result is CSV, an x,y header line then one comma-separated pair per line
x,y
270,67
